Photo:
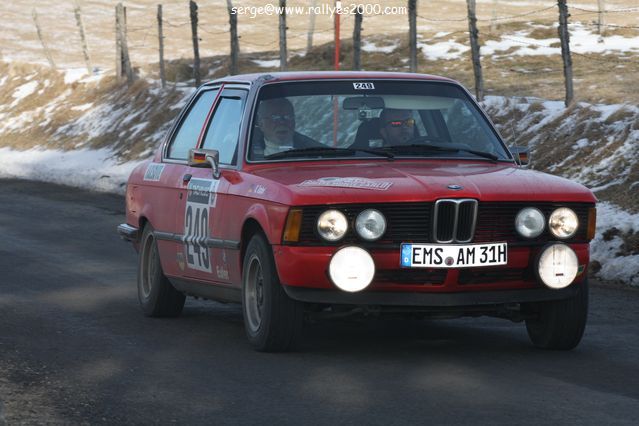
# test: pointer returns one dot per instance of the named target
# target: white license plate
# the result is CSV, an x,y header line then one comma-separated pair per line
x,y
453,255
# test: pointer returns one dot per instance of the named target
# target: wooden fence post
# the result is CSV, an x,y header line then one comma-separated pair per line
x,y
564,37
235,44
85,47
493,23
357,40
118,44
601,4
45,47
161,46
283,55
122,50
474,50
311,27
412,34
196,48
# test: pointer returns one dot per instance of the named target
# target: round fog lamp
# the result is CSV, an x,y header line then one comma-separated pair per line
x,y
351,269
332,225
370,224
530,222
558,265
563,223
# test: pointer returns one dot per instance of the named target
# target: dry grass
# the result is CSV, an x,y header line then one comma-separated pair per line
x,y
597,78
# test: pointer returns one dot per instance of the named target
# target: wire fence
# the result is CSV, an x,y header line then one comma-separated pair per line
x,y
438,34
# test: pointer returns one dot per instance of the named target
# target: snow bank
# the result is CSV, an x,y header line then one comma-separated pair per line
x,y
614,267
582,41
90,169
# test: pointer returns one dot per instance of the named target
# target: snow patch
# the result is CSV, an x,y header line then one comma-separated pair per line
x,y
273,63
23,91
581,143
82,107
90,169
74,74
368,46
624,268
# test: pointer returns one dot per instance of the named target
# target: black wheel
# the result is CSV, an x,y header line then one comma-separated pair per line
x,y
272,320
158,298
560,324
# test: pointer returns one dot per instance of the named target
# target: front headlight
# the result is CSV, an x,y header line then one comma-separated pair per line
x,y
332,225
370,224
563,223
530,222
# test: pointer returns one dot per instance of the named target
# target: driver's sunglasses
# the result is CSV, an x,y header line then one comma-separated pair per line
x,y
409,122
278,117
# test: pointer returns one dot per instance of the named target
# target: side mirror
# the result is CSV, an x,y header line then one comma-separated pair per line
x,y
521,154
205,158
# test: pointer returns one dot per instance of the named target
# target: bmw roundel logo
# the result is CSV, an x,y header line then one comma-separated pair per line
x,y
455,187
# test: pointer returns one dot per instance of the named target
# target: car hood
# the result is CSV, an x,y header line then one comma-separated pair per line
x,y
396,181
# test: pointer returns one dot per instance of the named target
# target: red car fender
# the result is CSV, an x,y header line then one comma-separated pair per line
x,y
268,220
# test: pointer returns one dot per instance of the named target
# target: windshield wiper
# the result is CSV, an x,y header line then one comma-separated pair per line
x,y
326,150
439,148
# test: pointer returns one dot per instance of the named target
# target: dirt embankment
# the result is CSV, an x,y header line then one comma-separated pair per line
x,y
52,110
593,144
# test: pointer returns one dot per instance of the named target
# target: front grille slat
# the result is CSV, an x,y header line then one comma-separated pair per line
x,y
466,220
445,218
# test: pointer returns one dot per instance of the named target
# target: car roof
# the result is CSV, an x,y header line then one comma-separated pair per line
x,y
272,77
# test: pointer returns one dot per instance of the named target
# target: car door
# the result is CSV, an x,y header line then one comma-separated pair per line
x,y
184,137
203,211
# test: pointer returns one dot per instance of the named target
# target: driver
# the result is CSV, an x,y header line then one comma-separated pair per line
x,y
276,120
397,126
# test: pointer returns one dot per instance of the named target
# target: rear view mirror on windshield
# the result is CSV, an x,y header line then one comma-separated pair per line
x,y
363,102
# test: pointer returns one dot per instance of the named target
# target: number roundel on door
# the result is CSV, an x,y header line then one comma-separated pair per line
x,y
201,197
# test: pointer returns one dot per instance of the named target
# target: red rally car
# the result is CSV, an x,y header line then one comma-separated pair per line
x,y
323,193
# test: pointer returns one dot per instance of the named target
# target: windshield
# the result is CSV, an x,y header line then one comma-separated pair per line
x,y
372,119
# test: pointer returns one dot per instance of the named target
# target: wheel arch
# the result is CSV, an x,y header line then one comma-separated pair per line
x,y
145,216
142,221
250,227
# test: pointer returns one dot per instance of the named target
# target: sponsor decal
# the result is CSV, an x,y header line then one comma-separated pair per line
x,y
222,273
153,172
222,269
257,189
180,261
201,198
349,182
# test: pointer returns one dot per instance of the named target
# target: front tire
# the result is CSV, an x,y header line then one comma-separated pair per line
x,y
157,296
272,320
560,324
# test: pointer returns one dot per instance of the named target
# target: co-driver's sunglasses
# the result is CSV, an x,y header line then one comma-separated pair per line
x,y
409,122
279,117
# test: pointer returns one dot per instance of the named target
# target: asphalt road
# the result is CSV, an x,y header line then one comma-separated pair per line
x,y
75,347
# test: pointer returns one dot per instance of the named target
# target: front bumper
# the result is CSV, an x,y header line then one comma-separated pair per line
x,y
304,267
128,232
458,299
